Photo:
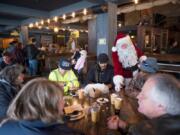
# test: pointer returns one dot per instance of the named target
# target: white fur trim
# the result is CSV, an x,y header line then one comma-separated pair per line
x,y
142,58
102,87
114,49
118,80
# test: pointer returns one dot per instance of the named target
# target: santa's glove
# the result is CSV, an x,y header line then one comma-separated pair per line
x,y
118,82
118,88
142,58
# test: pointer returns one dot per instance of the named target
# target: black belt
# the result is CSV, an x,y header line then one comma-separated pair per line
x,y
133,68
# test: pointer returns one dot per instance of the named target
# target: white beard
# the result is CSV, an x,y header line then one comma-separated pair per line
x,y
126,52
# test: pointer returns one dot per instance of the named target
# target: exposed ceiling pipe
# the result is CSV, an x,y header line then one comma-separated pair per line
x,y
79,19
127,9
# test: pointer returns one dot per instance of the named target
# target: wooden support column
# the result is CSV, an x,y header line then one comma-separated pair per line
x,y
112,26
24,35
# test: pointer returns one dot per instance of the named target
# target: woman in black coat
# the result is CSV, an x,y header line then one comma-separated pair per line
x,y
10,79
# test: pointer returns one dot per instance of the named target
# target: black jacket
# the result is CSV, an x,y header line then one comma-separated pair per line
x,y
25,127
95,75
30,51
7,93
164,125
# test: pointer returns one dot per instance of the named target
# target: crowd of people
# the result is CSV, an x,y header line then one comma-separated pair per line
x,y
36,107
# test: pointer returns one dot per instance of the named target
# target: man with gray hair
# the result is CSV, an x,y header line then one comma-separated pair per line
x,y
159,100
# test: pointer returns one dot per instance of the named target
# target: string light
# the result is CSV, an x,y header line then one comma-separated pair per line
x,y
136,1
73,14
48,21
31,25
132,36
37,24
56,29
55,18
42,22
39,27
64,17
85,11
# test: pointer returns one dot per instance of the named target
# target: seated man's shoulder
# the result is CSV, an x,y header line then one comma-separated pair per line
x,y
165,125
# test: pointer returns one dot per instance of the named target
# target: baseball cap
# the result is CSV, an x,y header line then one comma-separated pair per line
x,y
64,64
149,65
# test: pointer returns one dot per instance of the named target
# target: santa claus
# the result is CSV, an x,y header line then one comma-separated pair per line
x,y
125,57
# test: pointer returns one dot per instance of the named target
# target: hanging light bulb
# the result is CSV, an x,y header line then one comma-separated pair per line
x,y
39,27
64,17
55,18
136,1
31,25
73,14
85,11
37,24
42,22
48,20
56,29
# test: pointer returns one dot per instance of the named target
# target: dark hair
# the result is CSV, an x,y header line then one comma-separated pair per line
x,y
11,73
6,53
103,58
33,40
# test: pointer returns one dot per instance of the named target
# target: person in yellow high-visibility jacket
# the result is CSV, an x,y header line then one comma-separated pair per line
x,y
64,76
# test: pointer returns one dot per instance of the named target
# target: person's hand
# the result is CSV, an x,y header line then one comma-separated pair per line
x,y
118,87
61,84
122,124
113,122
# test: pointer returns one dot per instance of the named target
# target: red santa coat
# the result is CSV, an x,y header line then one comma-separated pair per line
x,y
126,64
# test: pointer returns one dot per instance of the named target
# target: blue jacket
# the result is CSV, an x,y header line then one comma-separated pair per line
x,y
25,127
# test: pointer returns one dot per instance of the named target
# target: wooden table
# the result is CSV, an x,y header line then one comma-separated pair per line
x,y
85,125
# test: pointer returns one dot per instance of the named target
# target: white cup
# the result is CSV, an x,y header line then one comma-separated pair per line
x,y
95,114
113,96
118,103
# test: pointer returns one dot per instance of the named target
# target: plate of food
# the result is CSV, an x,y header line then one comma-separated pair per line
x,y
102,100
76,115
